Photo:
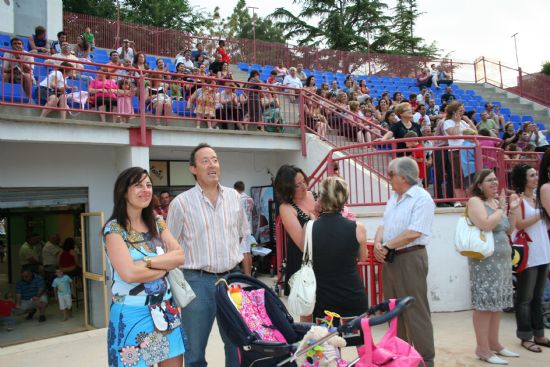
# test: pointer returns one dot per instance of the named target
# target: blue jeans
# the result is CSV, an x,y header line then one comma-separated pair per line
x,y
530,290
197,319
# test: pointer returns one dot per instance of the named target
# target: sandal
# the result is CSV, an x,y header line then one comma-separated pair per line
x,y
531,346
545,343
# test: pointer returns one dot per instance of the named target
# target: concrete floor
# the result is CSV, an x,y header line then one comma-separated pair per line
x,y
454,337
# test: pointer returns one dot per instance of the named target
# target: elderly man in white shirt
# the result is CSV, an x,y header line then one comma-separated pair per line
x,y
292,80
400,243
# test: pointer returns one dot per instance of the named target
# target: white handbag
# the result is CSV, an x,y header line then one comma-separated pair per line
x,y
181,290
303,286
472,242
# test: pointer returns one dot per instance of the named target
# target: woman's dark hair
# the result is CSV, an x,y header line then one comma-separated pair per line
x,y
484,132
395,95
284,182
519,177
127,178
85,44
254,73
221,43
478,179
308,80
544,177
68,244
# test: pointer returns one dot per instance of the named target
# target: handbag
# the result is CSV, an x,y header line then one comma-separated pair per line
x,y
390,351
303,286
470,241
520,246
181,290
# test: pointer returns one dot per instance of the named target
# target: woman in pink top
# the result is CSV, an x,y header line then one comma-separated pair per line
x,y
105,92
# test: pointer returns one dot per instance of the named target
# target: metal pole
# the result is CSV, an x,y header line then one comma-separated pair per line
x,y
516,48
254,29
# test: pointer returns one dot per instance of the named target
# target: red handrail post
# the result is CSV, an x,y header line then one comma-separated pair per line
x,y
142,122
520,82
330,165
478,155
302,123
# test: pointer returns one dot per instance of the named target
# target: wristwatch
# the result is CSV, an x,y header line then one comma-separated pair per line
x,y
147,260
384,245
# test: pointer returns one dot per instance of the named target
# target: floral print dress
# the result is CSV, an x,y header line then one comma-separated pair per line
x,y
144,325
491,279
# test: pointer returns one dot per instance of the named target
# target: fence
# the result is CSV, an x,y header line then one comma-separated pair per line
x,y
168,42
535,87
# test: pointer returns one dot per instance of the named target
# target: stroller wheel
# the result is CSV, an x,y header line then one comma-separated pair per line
x,y
546,319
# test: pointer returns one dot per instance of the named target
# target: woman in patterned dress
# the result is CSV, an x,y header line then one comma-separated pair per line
x,y
144,322
491,278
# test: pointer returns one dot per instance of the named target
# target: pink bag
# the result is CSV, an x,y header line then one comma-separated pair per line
x,y
256,318
390,351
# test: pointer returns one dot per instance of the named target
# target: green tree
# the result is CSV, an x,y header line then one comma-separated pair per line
x,y
402,38
241,25
99,8
343,24
174,14
546,68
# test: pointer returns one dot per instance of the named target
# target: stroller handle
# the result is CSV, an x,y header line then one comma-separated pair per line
x,y
400,306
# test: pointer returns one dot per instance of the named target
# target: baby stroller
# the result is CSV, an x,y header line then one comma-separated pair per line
x,y
285,334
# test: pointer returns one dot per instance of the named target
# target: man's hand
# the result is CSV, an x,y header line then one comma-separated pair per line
x,y
380,252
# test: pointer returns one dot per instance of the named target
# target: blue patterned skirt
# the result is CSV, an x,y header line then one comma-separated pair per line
x,y
133,341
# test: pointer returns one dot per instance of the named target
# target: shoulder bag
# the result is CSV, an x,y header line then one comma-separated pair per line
x,y
470,241
303,286
520,246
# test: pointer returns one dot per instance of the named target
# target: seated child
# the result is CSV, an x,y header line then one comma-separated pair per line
x,y
62,284
7,305
417,155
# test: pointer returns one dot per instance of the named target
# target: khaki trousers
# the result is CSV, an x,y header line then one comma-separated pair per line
x,y
406,276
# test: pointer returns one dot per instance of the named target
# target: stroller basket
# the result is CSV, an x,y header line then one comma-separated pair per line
x,y
252,349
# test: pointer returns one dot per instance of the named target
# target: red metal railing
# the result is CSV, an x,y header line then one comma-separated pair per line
x,y
246,104
535,87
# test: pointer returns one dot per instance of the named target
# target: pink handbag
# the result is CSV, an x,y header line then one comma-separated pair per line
x,y
390,351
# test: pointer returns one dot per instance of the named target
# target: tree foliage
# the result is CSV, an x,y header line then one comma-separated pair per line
x,y
175,14
402,38
343,24
241,25
98,8
546,68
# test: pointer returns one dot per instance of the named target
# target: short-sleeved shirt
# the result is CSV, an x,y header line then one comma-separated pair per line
x,y
28,290
128,55
6,307
50,252
488,124
415,212
293,82
63,285
7,65
54,80
27,251
104,84
139,245
448,124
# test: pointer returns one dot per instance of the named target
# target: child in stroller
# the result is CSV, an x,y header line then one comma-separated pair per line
x,y
272,337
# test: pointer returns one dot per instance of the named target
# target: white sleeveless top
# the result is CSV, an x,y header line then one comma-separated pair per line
x,y
539,249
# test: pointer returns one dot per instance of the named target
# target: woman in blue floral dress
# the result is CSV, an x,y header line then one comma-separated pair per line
x,y
144,322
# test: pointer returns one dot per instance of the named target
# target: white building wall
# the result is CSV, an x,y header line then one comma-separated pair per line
x,y
6,17
27,14
448,277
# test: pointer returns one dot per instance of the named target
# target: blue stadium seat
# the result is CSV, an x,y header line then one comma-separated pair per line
x,y
12,93
470,92
527,118
242,66
515,118
5,41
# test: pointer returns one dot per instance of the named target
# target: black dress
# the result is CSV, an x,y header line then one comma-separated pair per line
x,y
293,253
335,252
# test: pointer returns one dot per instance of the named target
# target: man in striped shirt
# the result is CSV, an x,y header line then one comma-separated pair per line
x,y
209,222
400,243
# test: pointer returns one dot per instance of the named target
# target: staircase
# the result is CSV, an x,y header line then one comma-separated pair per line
x,y
513,102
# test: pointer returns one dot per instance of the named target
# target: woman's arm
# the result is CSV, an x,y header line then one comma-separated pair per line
x,y
292,225
545,197
129,270
387,136
516,219
173,257
478,215
361,235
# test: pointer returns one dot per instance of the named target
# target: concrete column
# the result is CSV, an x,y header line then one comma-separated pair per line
x,y
129,156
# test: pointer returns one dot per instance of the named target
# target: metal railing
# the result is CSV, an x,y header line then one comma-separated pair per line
x,y
535,87
152,96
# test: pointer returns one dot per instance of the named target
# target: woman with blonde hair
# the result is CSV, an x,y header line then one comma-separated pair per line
x,y
401,128
491,278
337,245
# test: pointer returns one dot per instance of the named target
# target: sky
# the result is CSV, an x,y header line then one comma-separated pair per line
x,y
467,29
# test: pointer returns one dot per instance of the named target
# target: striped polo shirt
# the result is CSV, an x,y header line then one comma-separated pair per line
x,y
28,290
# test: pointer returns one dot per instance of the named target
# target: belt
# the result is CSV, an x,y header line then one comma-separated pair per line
x,y
221,274
409,249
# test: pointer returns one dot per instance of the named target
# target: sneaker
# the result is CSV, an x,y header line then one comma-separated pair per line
x,y
30,315
42,318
